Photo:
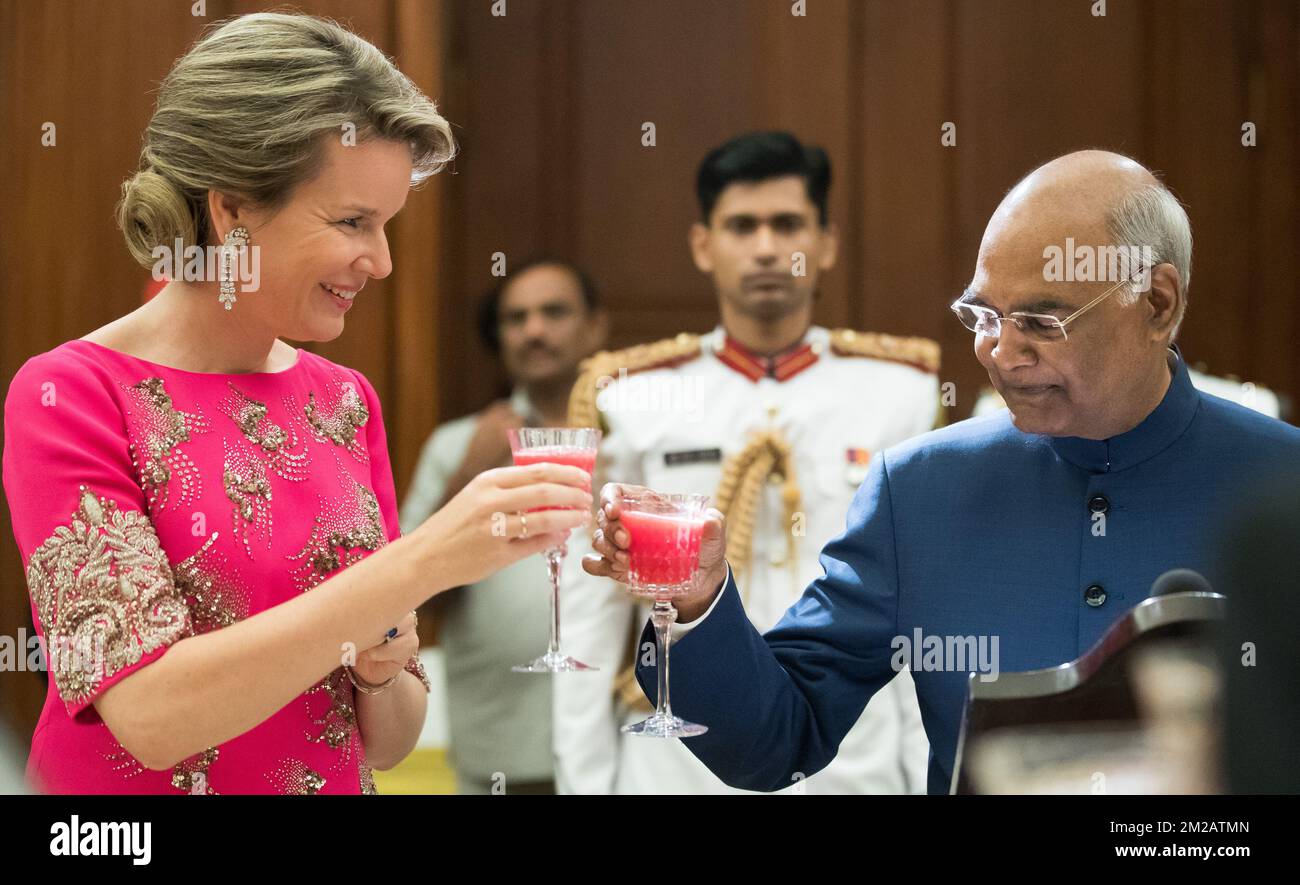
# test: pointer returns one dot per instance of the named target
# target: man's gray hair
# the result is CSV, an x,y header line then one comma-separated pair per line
x,y
1152,217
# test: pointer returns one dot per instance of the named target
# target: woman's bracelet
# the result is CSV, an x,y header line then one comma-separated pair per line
x,y
370,687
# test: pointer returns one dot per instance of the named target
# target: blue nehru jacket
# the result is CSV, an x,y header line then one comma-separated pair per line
x,y
975,530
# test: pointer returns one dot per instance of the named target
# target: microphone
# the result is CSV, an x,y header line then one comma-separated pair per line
x,y
1180,580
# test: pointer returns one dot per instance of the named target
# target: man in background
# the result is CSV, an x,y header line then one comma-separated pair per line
x,y
542,319
777,419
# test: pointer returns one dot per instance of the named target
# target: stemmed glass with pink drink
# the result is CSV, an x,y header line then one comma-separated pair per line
x,y
664,533
575,446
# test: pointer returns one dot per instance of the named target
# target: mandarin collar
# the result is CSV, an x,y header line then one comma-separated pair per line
x,y
780,367
1152,436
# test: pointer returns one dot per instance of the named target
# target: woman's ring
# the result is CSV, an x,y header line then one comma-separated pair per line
x,y
390,635
523,523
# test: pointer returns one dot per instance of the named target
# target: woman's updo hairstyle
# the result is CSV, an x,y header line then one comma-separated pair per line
x,y
248,111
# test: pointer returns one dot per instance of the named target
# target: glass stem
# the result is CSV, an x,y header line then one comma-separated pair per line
x,y
554,562
663,617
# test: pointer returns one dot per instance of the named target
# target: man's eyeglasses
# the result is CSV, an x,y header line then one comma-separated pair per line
x,y
986,321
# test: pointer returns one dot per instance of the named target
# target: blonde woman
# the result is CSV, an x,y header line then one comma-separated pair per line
x,y
206,514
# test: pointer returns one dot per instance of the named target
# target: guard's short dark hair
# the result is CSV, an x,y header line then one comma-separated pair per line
x,y
759,156
489,312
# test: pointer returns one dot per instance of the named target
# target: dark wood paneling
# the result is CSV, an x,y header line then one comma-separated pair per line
x,y
1274,103
85,68
910,266
1197,109
1031,81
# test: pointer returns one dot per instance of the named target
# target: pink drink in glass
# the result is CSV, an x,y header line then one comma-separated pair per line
x,y
575,447
583,459
663,551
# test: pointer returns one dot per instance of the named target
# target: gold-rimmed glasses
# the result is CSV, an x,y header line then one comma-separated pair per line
x,y
984,320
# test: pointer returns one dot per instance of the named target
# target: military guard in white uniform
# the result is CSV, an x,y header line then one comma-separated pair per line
x,y
780,441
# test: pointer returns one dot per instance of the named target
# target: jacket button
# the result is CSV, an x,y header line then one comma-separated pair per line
x,y
1098,504
1094,595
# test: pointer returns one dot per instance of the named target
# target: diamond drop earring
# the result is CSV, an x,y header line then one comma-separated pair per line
x,y
236,241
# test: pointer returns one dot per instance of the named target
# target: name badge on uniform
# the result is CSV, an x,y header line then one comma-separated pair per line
x,y
855,470
694,456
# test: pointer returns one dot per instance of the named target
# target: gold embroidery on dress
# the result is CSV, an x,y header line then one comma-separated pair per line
x,y
350,521
293,778
336,417
339,722
214,591
243,475
105,594
159,428
194,771
346,527
120,758
365,774
416,668
275,443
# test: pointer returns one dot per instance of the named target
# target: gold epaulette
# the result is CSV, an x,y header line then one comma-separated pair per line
x,y
608,364
922,353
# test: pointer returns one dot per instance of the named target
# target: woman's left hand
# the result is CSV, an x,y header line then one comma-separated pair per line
x,y
385,660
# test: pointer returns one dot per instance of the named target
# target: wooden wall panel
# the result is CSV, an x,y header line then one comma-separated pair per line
x,y
910,266
811,85
1032,81
500,101
641,62
66,271
1273,101
1196,115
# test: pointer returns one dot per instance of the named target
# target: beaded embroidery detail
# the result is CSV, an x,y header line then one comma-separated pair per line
x,y
105,594
120,759
157,429
293,778
213,591
243,475
339,722
367,775
349,521
194,772
416,669
336,417
273,442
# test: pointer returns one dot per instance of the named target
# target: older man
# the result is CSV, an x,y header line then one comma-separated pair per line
x,y
1022,535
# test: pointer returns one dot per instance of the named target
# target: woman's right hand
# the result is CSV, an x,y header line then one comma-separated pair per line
x,y
485,527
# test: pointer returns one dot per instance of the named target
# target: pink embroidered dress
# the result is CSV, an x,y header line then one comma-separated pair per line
x,y
151,504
